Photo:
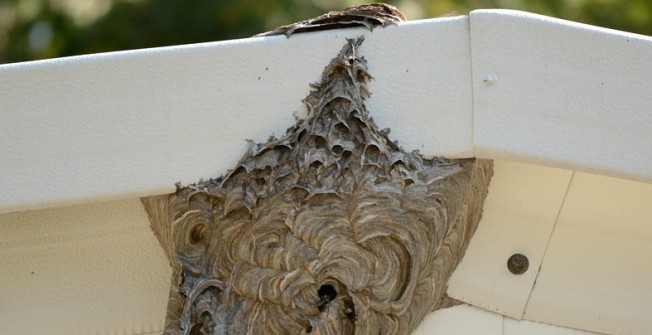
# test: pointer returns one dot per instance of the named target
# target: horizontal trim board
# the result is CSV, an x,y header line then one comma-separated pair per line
x,y
129,124
562,94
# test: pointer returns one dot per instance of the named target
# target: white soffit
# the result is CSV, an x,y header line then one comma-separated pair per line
x,y
588,241
461,320
523,327
134,123
469,320
559,93
519,215
85,269
597,272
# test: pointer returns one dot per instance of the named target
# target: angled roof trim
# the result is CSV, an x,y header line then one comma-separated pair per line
x,y
496,84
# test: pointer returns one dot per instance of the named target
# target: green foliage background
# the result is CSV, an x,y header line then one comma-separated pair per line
x,y
37,29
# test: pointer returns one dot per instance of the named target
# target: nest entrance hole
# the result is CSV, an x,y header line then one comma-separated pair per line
x,y
327,293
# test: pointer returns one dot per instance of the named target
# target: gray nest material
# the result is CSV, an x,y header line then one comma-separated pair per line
x,y
369,16
331,229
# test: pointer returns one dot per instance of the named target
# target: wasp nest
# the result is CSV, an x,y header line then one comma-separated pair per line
x,y
331,229
369,16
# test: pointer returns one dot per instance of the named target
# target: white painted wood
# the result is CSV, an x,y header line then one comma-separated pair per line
x,y
519,215
127,124
469,320
461,320
89,269
597,272
524,327
133,123
558,93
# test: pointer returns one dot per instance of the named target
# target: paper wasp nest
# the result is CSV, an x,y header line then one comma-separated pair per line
x,y
331,229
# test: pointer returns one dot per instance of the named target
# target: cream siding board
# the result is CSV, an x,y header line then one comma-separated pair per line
x,y
597,272
523,327
84,269
520,212
464,320
589,241
469,320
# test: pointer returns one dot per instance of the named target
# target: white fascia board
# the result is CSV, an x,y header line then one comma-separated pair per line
x,y
558,93
128,124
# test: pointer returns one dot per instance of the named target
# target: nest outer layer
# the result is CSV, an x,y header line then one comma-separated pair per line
x,y
331,229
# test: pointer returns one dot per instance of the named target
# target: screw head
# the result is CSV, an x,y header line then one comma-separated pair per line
x,y
518,264
491,78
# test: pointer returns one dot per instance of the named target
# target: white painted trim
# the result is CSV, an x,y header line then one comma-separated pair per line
x,y
133,123
564,94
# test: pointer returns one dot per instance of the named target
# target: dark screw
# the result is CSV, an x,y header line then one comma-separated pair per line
x,y
518,264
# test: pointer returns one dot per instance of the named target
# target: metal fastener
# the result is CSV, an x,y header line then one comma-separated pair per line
x,y
518,264
491,78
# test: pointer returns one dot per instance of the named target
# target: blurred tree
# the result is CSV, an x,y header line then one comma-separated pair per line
x,y
36,29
